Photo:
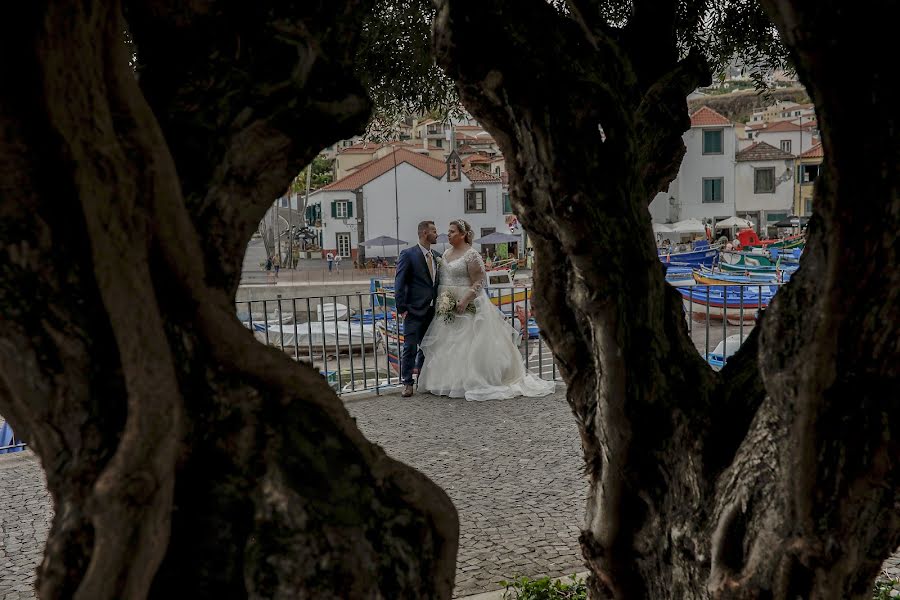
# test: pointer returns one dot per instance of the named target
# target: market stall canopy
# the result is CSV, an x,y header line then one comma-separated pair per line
x,y
689,226
733,222
498,238
662,228
792,221
383,240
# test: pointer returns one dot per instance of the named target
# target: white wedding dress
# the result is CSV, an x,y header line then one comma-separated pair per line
x,y
474,356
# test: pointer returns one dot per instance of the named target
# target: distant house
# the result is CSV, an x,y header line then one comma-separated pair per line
x,y
408,186
789,137
704,187
808,168
764,184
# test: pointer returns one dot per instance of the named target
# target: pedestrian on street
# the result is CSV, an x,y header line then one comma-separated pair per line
x,y
337,261
276,264
330,259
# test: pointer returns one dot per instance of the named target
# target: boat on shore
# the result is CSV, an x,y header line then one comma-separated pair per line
x,y
734,303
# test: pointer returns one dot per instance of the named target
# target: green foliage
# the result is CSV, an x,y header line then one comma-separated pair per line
x,y
883,589
545,588
397,65
322,174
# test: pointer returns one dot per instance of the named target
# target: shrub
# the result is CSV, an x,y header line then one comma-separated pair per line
x,y
545,588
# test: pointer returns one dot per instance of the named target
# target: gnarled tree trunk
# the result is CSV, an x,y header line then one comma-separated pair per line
x,y
776,478
184,459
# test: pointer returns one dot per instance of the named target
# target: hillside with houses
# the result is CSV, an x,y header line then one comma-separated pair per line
x,y
761,168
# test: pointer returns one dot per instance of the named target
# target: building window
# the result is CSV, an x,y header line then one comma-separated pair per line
x,y
439,143
712,189
285,202
712,141
809,206
507,205
809,173
786,146
341,209
764,180
343,244
475,201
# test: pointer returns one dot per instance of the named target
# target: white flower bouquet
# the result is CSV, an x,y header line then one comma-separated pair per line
x,y
446,304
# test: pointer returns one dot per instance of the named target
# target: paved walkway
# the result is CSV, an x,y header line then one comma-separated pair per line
x,y
512,469
24,522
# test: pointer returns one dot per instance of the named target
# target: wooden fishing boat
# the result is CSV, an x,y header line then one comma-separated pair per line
x,y
734,303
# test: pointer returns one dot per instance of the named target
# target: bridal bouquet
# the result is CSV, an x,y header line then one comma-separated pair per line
x,y
446,304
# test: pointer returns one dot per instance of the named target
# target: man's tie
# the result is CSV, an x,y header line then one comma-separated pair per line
x,y
430,262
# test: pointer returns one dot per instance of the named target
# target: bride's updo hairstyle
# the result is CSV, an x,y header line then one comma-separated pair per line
x,y
464,227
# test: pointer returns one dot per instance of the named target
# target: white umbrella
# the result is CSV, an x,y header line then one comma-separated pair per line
x,y
661,228
733,222
689,226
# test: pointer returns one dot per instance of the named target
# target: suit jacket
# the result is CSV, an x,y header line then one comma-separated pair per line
x,y
414,290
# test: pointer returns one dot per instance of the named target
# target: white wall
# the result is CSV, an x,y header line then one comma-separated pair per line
x,y
662,210
420,197
696,166
780,201
330,226
774,139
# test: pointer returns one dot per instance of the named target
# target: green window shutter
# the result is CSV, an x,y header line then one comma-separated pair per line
x,y
334,210
349,209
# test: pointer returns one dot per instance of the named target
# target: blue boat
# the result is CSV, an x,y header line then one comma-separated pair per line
x,y
700,254
8,440
734,303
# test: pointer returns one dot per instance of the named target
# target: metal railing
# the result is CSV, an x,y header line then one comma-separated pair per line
x,y
344,273
355,340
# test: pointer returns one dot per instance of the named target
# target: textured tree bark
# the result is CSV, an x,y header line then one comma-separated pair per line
x,y
743,484
184,459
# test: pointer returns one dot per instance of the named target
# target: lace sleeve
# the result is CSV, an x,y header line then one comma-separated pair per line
x,y
475,267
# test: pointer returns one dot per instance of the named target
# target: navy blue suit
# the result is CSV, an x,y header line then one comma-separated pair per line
x,y
414,292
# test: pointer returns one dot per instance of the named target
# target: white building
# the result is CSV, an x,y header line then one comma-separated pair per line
x,y
394,193
782,111
704,187
791,137
764,184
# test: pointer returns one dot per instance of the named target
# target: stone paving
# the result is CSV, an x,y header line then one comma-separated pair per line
x,y
512,468
24,521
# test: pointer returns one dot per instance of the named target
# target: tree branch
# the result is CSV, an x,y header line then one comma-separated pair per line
x,y
242,130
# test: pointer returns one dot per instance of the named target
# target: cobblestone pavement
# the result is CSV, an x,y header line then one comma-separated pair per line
x,y
24,521
512,468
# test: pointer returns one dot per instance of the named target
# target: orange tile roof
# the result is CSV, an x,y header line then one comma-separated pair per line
x,y
762,151
814,152
476,174
477,157
362,176
781,127
361,148
705,117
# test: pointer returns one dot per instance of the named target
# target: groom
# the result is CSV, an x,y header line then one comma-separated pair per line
x,y
415,288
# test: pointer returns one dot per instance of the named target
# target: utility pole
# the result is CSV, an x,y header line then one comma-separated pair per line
x,y
396,202
306,200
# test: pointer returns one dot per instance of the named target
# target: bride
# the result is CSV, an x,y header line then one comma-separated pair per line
x,y
470,353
